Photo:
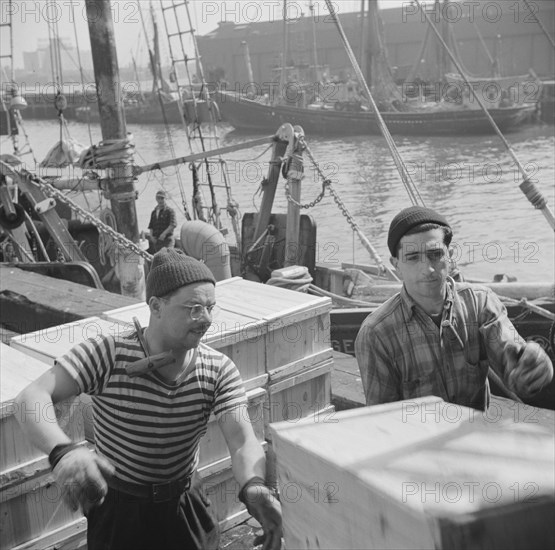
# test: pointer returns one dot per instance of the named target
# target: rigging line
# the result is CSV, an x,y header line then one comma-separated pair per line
x,y
203,95
527,186
410,186
253,158
196,126
81,73
51,53
166,124
418,61
542,27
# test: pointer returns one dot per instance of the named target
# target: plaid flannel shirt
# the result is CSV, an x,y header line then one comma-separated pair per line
x,y
403,354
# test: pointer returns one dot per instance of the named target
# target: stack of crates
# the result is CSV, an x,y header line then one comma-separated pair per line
x,y
280,341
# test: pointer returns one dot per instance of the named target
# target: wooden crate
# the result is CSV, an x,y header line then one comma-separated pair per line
x,y
260,327
17,370
301,388
50,343
222,489
418,474
213,447
32,509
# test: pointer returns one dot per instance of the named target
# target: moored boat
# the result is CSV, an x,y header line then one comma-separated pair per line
x,y
248,115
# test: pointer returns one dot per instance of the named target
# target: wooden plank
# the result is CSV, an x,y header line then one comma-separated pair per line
x,y
301,395
346,383
417,474
30,301
32,508
72,536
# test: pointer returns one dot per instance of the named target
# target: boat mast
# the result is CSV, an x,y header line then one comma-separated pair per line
x,y
285,54
363,46
317,75
121,184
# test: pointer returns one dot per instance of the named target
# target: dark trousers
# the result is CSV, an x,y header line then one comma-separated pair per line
x,y
124,522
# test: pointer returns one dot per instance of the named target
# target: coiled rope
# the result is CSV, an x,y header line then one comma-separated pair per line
x,y
108,154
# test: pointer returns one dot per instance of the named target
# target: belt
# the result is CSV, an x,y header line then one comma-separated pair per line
x,y
157,492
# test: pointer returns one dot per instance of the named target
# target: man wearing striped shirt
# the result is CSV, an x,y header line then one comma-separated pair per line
x,y
140,490
437,336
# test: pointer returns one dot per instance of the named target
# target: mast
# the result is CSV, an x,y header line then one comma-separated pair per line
x,y
314,44
363,45
121,182
283,74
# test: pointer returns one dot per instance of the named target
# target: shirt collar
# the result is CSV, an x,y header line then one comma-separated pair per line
x,y
409,305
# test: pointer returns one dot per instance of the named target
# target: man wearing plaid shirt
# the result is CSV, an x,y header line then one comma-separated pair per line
x,y
437,336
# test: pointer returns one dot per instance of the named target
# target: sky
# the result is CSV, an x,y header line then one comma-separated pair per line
x,y
30,19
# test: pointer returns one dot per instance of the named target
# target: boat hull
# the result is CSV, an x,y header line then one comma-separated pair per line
x,y
251,116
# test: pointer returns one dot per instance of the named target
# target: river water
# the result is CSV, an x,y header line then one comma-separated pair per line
x,y
472,180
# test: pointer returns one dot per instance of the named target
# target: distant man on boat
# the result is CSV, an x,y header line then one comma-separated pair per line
x,y
162,224
437,336
140,489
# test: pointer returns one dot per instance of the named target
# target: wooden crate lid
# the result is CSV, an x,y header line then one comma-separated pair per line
x,y
17,371
399,450
50,343
228,327
269,303
248,310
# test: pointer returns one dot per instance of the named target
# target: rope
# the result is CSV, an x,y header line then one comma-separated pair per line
x,y
342,300
51,191
527,187
39,242
108,154
81,74
542,27
164,116
410,186
350,219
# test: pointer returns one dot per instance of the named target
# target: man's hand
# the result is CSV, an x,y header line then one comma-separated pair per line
x,y
530,371
263,506
82,476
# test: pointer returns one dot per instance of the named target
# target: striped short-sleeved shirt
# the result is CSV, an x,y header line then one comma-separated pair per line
x,y
148,427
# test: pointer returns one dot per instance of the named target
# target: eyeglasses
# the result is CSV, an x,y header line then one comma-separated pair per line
x,y
197,311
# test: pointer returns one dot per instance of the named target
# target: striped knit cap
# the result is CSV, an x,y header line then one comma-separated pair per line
x,y
171,269
408,218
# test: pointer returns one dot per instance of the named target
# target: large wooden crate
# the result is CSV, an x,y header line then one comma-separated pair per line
x,y
260,327
50,343
418,474
17,370
213,447
32,512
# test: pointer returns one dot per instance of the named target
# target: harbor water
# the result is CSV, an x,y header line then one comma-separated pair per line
x,y
472,180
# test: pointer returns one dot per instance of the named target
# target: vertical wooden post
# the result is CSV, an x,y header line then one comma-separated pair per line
x,y
269,189
292,233
121,184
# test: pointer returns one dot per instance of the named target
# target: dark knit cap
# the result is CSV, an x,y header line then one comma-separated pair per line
x,y
408,218
171,269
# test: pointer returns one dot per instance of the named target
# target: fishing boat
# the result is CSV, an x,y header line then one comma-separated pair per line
x,y
337,108
245,114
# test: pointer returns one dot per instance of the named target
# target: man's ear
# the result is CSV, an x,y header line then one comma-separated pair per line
x,y
394,261
154,306
450,251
